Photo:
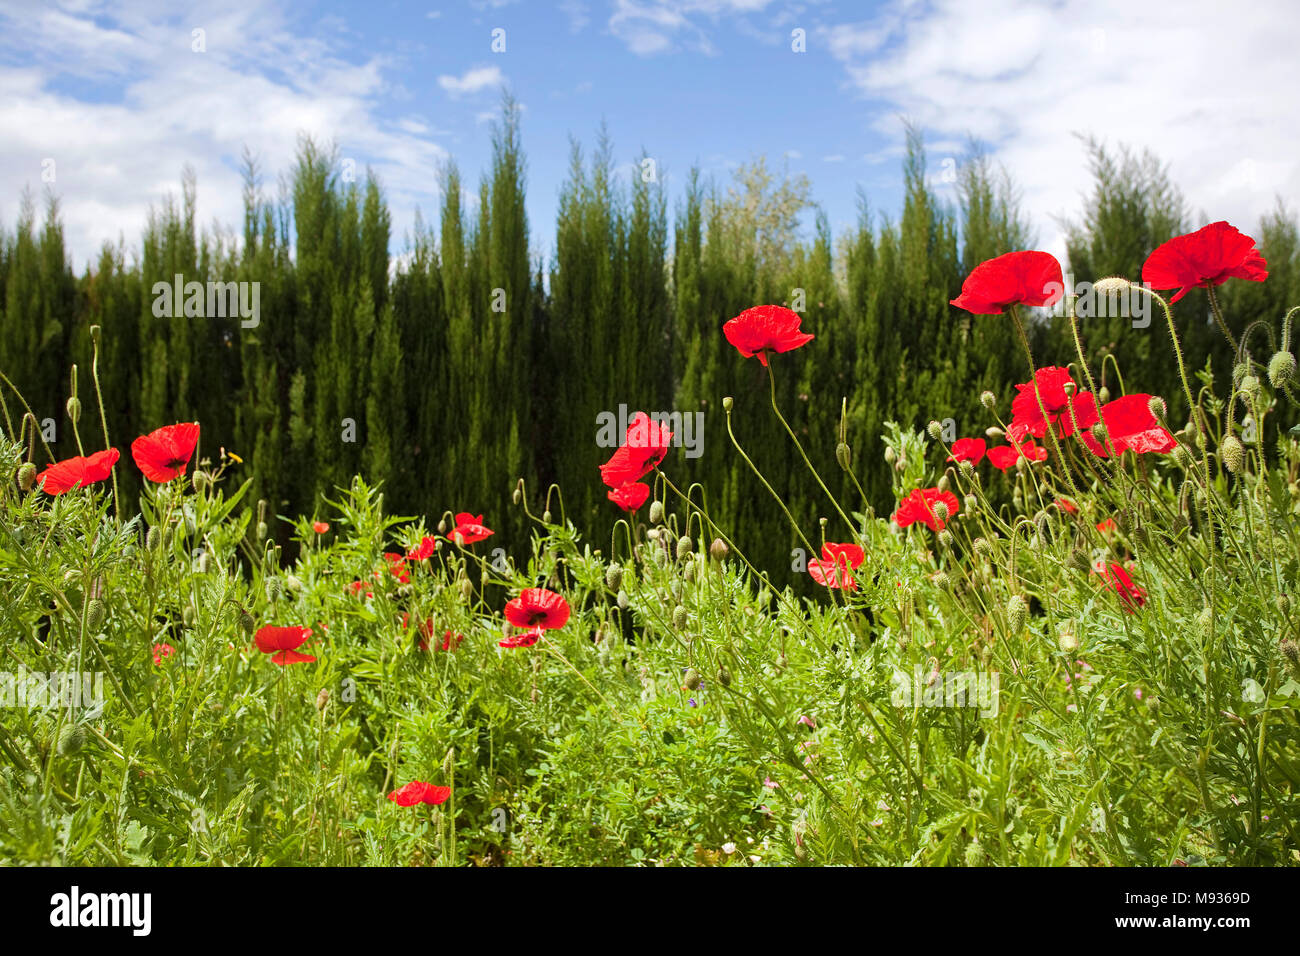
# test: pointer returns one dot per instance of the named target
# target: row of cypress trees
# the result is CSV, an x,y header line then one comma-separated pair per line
x,y
469,361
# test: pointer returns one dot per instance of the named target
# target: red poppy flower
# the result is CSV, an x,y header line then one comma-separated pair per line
x,y
1027,417
630,496
1017,278
1068,506
469,528
526,639
850,554
164,454
423,550
320,527
280,643
644,447
417,792
765,328
1131,596
77,472
356,587
161,651
397,566
1207,257
1107,526
538,607
1130,424
833,574
968,449
450,641
1005,456
919,506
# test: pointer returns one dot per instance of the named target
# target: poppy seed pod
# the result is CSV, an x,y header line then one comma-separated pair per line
x,y
1281,369
656,512
843,455
1017,614
679,618
724,677
26,476
614,577
1157,406
718,550
1232,454
692,678
988,400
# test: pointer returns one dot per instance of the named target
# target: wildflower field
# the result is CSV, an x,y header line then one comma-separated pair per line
x,y
1069,640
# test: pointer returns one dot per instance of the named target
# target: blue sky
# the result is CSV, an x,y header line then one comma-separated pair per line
x,y
116,96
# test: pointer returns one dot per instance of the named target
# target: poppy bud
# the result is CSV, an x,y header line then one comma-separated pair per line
x,y
842,455
1017,614
975,855
26,476
982,547
202,480
688,572
692,679
152,539
1066,640
1103,395
442,526
623,601
274,589
1283,604
1291,654
994,432
676,588
1281,369
74,409
724,677
945,538
94,334
943,484
684,546
261,511
718,550
935,430
940,578
189,616
988,400
246,622
971,503
546,516
890,456
967,470
656,512
205,562
1157,406
466,589
261,531
679,618
941,511
322,699
1099,433
517,496
71,739
1078,560
1232,454
96,614
1250,388
614,577
1182,457
726,404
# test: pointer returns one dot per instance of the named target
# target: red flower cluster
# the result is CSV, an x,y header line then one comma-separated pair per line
x,y
161,455
1027,415
919,506
644,447
161,651
763,329
1131,596
424,550
1130,425
538,607
1005,456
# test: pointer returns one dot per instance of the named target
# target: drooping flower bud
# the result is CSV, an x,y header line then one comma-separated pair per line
x,y
614,577
96,614
153,538
26,476
1281,369
680,618
1017,614
982,547
692,679
1250,388
843,455
941,511
1232,453
623,601
1291,655
724,677
684,547
944,484
546,516
718,550
971,503
1205,623
322,699
1103,395
74,409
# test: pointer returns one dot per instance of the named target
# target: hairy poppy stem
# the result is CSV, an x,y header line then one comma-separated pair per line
x,y
1042,408
1218,317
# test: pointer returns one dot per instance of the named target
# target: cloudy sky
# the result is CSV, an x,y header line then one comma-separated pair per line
x,y
114,99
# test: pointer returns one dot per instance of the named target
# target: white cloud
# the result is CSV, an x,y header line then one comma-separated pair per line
x,y
1209,90
648,27
472,81
164,106
833,158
